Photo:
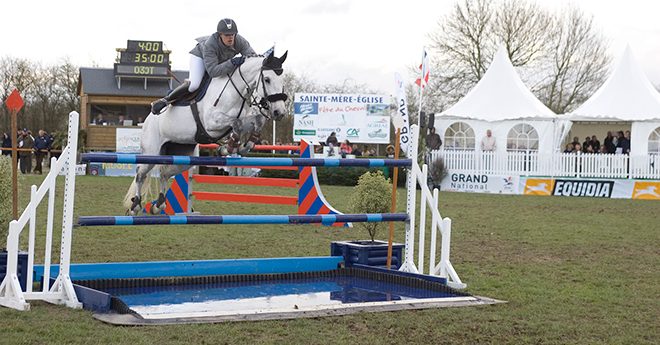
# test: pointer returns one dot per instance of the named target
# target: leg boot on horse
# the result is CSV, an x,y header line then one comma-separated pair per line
x,y
176,94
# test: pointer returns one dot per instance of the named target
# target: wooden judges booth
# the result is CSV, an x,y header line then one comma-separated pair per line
x,y
126,91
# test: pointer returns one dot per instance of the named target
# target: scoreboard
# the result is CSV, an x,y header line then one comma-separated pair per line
x,y
143,59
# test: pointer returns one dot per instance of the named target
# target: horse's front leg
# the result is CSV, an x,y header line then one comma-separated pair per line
x,y
254,124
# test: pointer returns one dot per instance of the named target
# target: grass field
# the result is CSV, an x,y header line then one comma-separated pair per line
x,y
573,270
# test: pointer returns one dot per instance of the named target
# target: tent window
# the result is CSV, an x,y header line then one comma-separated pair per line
x,y
654,141
522,137
459,136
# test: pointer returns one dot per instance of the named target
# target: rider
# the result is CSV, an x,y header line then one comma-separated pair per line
x,y
216,55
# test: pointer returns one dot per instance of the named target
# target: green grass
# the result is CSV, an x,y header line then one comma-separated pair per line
x,y
573,270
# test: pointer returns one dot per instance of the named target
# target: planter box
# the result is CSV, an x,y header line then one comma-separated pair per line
x,y
367,253
22,267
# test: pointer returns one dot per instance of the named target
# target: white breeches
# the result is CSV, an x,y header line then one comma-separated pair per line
x,y
196,73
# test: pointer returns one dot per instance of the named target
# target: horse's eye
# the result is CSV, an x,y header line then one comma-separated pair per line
x,y
267,80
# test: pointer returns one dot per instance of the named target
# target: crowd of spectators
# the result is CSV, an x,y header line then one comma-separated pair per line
x,y
30,146
619,144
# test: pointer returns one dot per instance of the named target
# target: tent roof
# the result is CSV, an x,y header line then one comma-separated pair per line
x,y
500,95
627,95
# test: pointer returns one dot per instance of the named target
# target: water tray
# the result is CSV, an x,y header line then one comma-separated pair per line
x,y
219,298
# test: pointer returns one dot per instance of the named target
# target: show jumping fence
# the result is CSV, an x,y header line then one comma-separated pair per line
x,y
62,291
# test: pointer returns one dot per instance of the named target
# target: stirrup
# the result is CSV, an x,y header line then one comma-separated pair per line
x,y
158,106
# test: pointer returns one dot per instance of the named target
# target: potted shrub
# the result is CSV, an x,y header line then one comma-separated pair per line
x,y
373,194
5,218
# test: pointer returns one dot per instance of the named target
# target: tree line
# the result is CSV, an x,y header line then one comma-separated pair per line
x,y
49,92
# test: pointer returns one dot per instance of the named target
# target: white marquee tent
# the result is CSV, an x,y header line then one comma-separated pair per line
x,y
626,96
499,102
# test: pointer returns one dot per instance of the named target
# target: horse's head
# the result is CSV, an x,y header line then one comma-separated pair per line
x,y
270,86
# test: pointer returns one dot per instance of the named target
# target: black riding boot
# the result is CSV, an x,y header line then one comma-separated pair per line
x,y
176,94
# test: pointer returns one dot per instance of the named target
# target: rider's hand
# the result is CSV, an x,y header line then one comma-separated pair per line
x,y
237,61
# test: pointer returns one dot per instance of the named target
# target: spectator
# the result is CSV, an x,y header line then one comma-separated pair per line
x,y
569,148
6,144
332,142
42,146
603,149
586,143
576,140
356,151
625,143
120,121
100,120
26,142
53,145
609,146
616,146
595,143
577,148
589,149
390,150
140,121
372,152
488,143
345,148
433,141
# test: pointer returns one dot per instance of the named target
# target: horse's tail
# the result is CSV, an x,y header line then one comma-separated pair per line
x,y
132,191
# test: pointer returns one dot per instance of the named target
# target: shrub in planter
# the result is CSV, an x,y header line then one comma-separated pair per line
x,y
6,202
373,194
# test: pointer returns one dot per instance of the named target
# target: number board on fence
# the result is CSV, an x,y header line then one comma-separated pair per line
x,y
143,59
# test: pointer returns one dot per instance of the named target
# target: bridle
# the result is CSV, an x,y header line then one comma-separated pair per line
x,y
262,103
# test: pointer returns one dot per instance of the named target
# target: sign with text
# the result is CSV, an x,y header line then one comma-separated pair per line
x,y
128,140
358,118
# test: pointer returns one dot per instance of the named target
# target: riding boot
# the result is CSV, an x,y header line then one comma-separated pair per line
x,y
176,94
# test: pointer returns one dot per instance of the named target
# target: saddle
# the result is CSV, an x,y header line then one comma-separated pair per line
x,y
191,99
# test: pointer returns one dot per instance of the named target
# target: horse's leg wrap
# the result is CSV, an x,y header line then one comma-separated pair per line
x,y
136,207
159,205
249,144
233,142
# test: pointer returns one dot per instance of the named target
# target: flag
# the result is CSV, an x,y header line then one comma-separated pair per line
x,y
272,49
400,119
425,67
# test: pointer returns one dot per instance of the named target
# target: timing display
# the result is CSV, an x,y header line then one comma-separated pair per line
x,y
145,58
145,46
141,70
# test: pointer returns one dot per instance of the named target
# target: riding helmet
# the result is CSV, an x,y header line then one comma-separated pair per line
x,y
227,27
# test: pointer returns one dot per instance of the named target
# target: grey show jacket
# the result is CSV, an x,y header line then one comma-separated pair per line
x,y
216,55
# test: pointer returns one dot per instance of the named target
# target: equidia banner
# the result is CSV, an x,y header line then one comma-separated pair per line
x,y
358,118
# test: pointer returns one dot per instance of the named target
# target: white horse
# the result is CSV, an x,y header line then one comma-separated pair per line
x,y
258,81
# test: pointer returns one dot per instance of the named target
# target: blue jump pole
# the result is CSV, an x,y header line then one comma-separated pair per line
x,y
327,219
243,161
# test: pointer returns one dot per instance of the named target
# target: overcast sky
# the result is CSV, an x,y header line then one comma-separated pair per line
x,y
328,40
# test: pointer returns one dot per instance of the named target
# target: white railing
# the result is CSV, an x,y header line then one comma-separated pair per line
x,y
62,292
531,163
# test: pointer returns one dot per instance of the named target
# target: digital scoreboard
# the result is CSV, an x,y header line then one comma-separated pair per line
x,y
143,59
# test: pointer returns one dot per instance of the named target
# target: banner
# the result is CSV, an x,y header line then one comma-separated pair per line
x,y
402,109
358,118
480,183
593,188
128,140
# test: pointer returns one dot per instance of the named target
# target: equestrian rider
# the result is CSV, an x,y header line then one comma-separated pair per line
x,y
215,55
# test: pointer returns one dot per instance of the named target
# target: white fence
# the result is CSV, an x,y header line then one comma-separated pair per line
x,y
531,163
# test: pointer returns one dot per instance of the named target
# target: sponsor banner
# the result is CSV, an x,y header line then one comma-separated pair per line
x,y
649,190
480,183
537,186
128,140
116,169
581,187
402,110
358,118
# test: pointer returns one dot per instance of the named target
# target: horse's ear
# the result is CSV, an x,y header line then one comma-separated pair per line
x,y
269,58
283,57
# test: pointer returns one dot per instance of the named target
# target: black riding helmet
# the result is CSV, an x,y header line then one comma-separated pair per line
x,y
227,27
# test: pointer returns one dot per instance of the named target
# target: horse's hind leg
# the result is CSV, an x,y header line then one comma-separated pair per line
x,y
142,177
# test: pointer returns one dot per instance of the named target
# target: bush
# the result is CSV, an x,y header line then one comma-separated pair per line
x,y
6,214
437,171
373,194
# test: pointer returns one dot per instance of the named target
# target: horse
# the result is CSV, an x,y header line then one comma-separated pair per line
x,y
257,82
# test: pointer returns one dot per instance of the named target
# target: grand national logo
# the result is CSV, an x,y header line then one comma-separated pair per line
x,y
597,189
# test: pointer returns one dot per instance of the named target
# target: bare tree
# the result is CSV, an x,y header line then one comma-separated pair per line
x,y
561,56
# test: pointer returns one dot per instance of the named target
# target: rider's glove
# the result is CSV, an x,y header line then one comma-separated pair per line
x,y
237,61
